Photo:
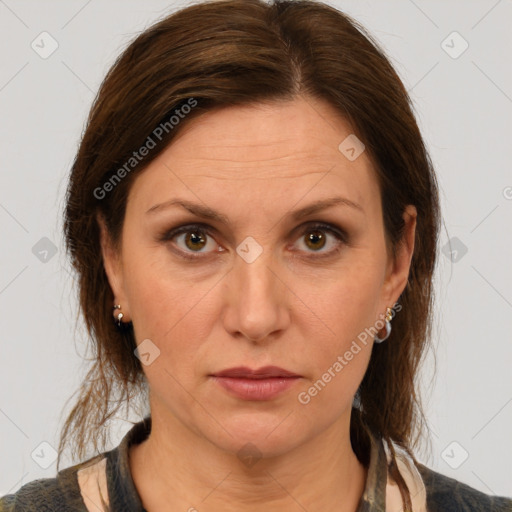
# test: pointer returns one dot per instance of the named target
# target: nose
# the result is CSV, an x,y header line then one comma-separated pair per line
x,y
255,298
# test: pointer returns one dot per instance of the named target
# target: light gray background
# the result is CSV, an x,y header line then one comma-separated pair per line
x,y
464,109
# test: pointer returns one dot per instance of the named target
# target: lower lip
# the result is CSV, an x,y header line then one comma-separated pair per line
x,y
256,389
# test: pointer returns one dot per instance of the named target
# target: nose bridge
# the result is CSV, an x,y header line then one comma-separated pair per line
x,y
257,297
256,278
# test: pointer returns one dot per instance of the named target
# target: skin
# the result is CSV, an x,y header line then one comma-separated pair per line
x,y
289,308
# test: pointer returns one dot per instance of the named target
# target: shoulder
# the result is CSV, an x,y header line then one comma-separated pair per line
x,y
445,493
43,494
61,493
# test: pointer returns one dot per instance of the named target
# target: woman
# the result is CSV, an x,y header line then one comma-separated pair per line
x,y
250,209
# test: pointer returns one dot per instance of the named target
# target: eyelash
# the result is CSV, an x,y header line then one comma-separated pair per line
x,y
204,229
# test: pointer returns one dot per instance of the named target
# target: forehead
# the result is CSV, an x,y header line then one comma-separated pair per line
x,y
260,152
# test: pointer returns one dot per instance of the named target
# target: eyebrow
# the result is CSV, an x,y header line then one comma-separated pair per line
x,y
208,213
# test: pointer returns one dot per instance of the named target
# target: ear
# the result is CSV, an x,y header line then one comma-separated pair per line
x,y
113,268
397,272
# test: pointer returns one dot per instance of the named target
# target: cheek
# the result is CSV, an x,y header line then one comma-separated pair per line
x,y
348,304
157,295
347,308
341,350
171,310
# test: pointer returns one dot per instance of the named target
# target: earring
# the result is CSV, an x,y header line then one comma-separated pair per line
x,y
389,316
117,317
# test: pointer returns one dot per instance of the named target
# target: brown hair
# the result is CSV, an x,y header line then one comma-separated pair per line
x,y
238,52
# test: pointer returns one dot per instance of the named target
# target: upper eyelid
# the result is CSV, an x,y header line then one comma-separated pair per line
x,y
209,228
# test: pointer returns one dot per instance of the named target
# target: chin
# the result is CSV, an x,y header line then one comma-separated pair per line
x,y
267,434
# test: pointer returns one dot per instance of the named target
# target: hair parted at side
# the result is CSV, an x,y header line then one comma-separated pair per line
x,y
240,52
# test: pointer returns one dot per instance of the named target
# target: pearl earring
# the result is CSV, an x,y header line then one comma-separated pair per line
x,y
389,316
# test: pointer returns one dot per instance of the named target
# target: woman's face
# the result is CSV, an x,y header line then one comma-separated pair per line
x,y
260,284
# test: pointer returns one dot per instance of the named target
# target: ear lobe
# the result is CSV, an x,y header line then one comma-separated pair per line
x,y
111,261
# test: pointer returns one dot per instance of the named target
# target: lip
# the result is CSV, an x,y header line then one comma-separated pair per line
x,y
256,389
265,372
261,384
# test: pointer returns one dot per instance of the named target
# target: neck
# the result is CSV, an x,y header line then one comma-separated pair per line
x,y
176,469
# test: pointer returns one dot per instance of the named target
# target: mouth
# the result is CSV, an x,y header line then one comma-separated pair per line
x,y
261,384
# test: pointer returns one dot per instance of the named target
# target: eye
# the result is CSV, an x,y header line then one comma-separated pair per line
x,y
315,237
193,240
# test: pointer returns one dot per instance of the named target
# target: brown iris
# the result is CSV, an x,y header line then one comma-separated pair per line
x,y
314,238
196,238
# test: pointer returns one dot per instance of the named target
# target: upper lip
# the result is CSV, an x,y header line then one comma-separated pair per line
x,y
259,373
